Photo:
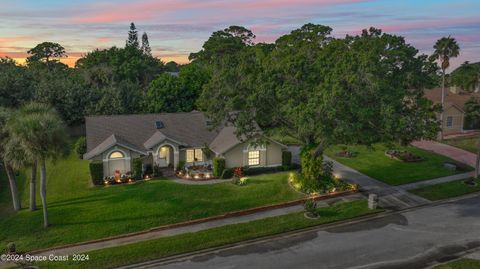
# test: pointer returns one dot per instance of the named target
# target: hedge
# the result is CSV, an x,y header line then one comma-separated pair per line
x,y
137,168
218,166
81,147
227,173
96,172
251,171
286,158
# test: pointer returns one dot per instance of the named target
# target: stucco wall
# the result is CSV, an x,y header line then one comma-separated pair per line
x,y
457,117
271,155
124,165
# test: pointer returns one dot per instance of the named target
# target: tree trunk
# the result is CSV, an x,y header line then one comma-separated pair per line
x,y
443,104
13,187
477,163
33,179
43,192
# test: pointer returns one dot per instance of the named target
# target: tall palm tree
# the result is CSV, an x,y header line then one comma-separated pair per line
x,y
5,115
445,49
41,132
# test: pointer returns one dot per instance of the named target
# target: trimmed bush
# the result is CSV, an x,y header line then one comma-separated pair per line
x,y
227,173
218,166
286,158
96,172
81,147
137,168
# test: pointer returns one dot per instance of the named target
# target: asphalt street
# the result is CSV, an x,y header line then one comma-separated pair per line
x,y
413,239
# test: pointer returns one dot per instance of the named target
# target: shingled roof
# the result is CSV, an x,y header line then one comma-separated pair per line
x,y
451,99
189,128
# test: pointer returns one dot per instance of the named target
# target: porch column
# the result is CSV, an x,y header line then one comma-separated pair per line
x,y
176,159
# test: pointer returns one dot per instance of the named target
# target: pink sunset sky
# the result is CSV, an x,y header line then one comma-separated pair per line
x,y
177,28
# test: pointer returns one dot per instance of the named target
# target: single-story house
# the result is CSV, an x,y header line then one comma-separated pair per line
x,y
170,139
454,113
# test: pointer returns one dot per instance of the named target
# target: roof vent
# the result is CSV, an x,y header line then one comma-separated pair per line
x,y
159,124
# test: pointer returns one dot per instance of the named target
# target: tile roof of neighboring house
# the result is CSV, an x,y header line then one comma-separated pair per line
x,y
456,99
188,128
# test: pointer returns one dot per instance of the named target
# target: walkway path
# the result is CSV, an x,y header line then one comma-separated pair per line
x,y
421,184
447,150
390,197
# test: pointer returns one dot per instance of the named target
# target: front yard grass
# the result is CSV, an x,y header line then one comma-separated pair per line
x,y
79,212
463,263
446,190
466,143
374,163
173,245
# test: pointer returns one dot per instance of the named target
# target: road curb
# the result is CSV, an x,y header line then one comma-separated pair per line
x,y
365,218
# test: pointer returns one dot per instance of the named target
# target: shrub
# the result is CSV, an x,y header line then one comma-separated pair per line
x,y
81,147
327,167
310,207
238,172
157,172
227,173
11,248
181,166
96,172
286,158
218,166
148,169
137,168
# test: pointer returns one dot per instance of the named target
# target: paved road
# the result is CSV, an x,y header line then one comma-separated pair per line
x,y
411,240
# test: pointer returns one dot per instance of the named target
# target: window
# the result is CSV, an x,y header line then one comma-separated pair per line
x,y
254,158
449,121
194,155
116,155
163,153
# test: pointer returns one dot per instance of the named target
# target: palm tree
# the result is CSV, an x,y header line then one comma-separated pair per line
x,y
42,135
18,157
4,136
445,48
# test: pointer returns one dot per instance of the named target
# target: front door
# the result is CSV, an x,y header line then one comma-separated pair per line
x,y
163,156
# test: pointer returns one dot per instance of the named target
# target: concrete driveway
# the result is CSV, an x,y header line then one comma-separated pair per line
x,y
413,239
447,150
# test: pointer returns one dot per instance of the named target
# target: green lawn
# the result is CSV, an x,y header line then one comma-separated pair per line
x,y
460,264
163,247
374,163
446,190
79,212
466,143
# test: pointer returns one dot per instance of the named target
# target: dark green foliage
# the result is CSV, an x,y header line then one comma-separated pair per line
x,y
181,165
157,172
310,207
467,76
169,93
172,67
146,45
96,172
250,171
218,166
227,173
286,158
16,85
316,88
46,52
472,114
132,40
81,146
137,168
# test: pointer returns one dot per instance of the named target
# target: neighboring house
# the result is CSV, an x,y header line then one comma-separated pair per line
x,y
454,114
169,139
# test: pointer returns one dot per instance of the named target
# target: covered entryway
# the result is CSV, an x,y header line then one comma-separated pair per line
x,y
165,156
